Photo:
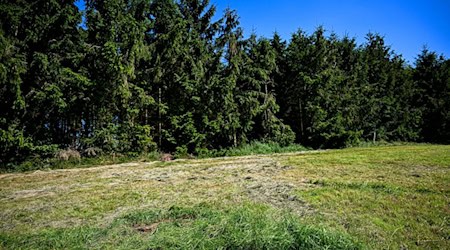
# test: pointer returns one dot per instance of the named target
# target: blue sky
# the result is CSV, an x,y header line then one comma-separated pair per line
x,y
406,25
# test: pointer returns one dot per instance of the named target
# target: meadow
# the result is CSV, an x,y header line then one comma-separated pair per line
x,y
386,197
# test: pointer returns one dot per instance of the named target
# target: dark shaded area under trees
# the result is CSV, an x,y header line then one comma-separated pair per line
x,y
141,76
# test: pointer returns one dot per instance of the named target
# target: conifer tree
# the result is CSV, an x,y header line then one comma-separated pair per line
x,y
432,78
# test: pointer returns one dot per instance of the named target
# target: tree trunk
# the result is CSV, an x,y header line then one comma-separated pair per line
x,y
301,118
159,118
265,103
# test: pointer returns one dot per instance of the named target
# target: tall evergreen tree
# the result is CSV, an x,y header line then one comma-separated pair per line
x,y
432,78
116,32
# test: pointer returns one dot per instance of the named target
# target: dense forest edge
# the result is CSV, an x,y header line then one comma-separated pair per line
x,y
130,78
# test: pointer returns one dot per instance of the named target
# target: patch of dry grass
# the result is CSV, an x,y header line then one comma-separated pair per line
x,y
32,201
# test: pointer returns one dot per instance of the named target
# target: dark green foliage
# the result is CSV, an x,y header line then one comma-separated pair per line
x,y
252,148
338,94
139,76
40,56
432,97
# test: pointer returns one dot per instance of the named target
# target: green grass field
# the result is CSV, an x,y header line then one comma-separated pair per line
x,y
392,197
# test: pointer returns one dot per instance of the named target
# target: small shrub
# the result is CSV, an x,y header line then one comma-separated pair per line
x,y
202,151
181,152
281,134
153,155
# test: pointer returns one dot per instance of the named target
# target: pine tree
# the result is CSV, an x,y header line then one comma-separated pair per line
x,y
231,40
432,78
116,32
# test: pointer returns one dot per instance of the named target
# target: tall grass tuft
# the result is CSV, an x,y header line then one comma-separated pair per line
x,y
248,226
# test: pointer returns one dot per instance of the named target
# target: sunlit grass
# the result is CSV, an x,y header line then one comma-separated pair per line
x,y
382,197
389,197
203,226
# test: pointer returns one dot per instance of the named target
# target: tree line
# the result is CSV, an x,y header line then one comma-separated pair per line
x,y
137,75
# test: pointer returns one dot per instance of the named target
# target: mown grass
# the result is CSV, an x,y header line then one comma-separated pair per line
x,y
388,197
248,226
38,163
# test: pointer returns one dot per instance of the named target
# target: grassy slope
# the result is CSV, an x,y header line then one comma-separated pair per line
x,y
389,197
384,197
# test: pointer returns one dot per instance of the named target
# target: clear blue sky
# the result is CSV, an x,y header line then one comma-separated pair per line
x,y
407,25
